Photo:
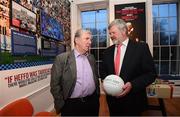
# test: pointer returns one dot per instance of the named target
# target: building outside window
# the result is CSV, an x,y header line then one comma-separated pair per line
x,y
166,42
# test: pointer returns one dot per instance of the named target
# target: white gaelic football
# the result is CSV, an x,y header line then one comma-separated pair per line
x,y
113,84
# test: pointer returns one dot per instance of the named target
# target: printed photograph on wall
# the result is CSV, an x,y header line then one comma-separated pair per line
x,y
4,17
21,42
135,17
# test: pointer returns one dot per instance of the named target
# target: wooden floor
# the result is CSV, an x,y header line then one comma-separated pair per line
x,y
172,107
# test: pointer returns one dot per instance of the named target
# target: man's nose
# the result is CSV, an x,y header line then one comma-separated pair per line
x,y
90,41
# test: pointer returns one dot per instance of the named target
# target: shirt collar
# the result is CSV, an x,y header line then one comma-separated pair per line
x,y
77,54
125,43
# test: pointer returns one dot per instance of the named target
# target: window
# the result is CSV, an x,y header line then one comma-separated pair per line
x,y
96,22
166,44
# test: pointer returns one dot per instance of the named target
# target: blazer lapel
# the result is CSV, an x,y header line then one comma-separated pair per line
x,y
72,64
127,58
92,64
111,60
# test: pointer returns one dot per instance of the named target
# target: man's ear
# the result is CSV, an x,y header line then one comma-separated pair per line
x,y
76,40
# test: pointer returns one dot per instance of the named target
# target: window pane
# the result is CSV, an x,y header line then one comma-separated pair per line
x,y
91,27
173,38
165,53
88,16
95,53
172,10
94,41
179,66
101,53
175,67
156,53
155,24
157,66
102,41
163,24
101,28
164,69
178,53
163,10
174,53
101,15
155,10
98,63
164,38
173,24
156,38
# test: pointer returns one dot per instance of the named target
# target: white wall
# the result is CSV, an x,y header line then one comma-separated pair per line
x,y
75,23
42,100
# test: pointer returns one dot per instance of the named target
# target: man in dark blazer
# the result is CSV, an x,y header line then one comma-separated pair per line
x,y
136,69
74,80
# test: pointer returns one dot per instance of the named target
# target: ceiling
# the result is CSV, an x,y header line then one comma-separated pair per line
x,y
93,6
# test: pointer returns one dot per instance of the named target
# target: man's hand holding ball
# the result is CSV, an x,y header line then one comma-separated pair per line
x,y
126,89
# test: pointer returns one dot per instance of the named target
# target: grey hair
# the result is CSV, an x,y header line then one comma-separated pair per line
x,y
79,33
121,24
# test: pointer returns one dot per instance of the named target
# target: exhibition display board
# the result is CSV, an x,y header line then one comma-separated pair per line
x,y
23,82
